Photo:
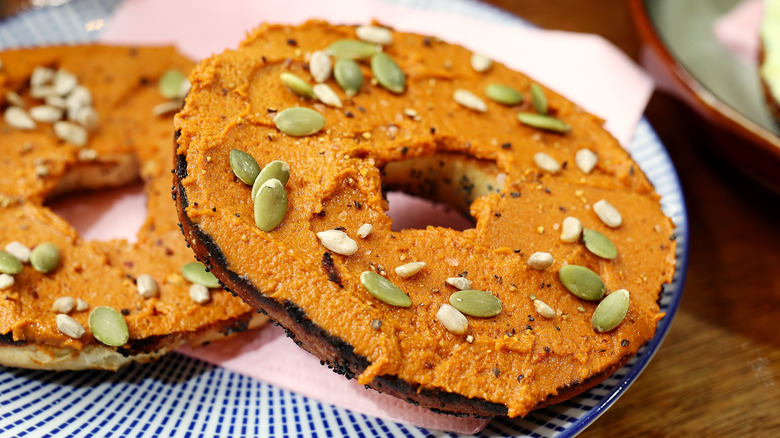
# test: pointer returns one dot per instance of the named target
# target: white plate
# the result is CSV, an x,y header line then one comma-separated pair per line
x,y
180,396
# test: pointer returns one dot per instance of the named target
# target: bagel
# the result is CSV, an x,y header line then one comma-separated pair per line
x,y
525,340
39,164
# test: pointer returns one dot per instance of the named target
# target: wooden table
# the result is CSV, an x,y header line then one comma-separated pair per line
x,y
718,371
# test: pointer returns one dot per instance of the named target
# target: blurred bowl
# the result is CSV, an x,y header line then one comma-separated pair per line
x,y
682,54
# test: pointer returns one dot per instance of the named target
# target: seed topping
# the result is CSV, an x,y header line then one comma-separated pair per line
x,y
503,94
352,49
543,122
476,303
582,282
364,230
63,305
586,160
270,204
108,326
320,66
599,244
452,319
297,85
387,73
147,286
69,326
349,76
546,162
374,35
543,309
461,283
571,230
409,269
45,257
195,272
337,241
540,261
299,121
326,95
480,63
244,166
608,214
9,264
6,281
469,100
199,294
384,290
611,311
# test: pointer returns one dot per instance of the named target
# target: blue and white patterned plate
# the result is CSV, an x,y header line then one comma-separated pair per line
x,y
181,396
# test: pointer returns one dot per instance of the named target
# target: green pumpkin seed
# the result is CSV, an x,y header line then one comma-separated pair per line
x,y
476,303
108,326
270,205
539,99
298,121
611,311
275,169
9,264
540,121
503,94
348,76
582,282
384,290
387,72
598,244
297,85
45,257
170,84
244,166
352,49
195,272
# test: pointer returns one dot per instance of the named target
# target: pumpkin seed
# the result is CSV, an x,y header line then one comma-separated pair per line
x,y
546,123
582,282
9,264
298,121
352,49
45,257
297,85
349,76
539,99
320,66
275,169
586,160
338,242
503,94
476,303
571,230
375,35
6,281
195,272
598,244
326,95
452,319
409,269
170,84
244,166
384,290
469,100
387,72
69,326
108,326
480,63
611,311
608,214
270,204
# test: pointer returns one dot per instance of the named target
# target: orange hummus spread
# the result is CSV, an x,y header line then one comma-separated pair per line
x,y
425,142
128,142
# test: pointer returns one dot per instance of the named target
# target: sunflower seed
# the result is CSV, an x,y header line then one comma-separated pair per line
x,y
18,118
452,319
469,100
349,76
43,91
69,326
45,257
78,98
540,261
56,101
199,293
546,162
543,309
586,160
374,35
147,286
244,166
476,303
539,99
480,63
81,305
599,244
45,113
546,123
326,95
18,250
297,85
87,117
63,305
64,82
71,133
338,242
364,230
9,264
409,269
170,84
384,290
169,106
387,72
41,76
320,66
461,283
299,121
582,282
572,228
503,94
14,99
108,326
611,311
270,204
195,272
6,281
352,49
608,214
275,169
87,154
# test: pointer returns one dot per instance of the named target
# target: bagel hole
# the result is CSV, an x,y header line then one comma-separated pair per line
x,y
414,212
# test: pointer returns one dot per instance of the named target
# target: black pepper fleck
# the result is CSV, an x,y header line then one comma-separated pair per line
x,y
376,324
625,343
496,371
125,312
292,42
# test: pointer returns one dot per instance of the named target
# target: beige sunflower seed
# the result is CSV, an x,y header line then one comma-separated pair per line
x,y
270,205
409,269
338,242
18,118
582,282
199,294
69,326
452,319
586,160
349,76
71,133
480,63
299,121
56,101
63,305
108,326
611,311
540,261
78,98
352,49
546,123
64,82
326,95
503,94
599,244
374,35
297,85
87,154
167,107
387,72
14,99
364,230
45,257
6,281
18,250
384,290
81,305
320,66
546,162
469,100
147,286
41,76
571,230
458,282
543,309
87,117
46,113
476,303
608,214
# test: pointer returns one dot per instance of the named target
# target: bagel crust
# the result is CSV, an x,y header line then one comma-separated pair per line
x,y
420,141
129,144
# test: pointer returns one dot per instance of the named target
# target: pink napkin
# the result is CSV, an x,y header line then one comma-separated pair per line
x,y
737,30
585,68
